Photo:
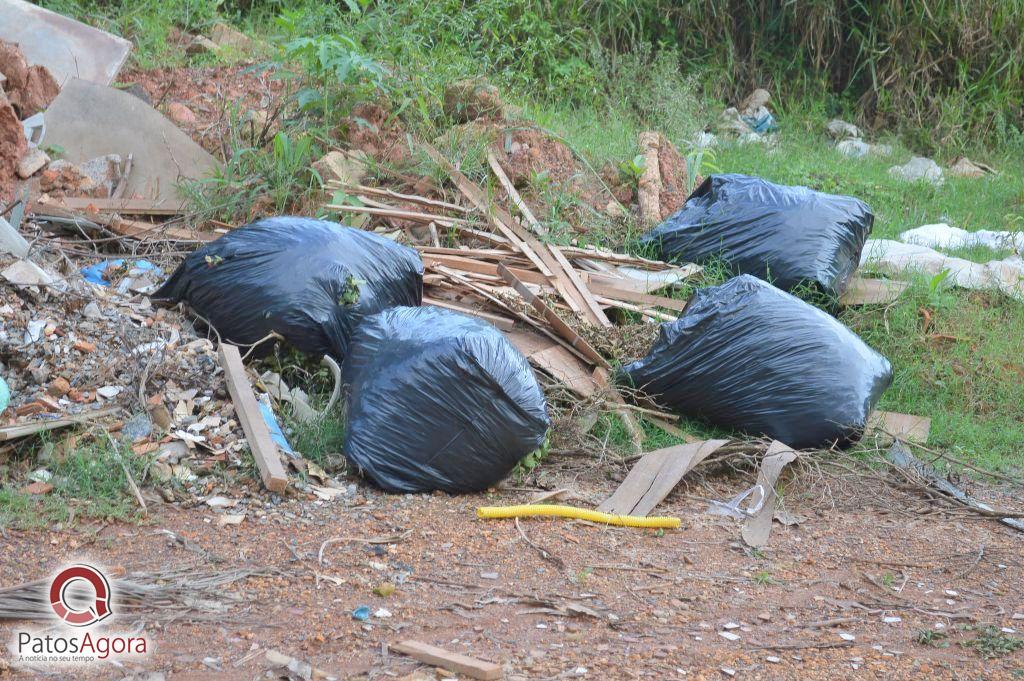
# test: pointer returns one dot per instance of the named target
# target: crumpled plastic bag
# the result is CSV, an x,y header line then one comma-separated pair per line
x,y
783,234
747,356
438,401
309,280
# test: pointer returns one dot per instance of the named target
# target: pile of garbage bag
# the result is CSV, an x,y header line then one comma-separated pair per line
x,y
782,234
311,281
748,356
438,400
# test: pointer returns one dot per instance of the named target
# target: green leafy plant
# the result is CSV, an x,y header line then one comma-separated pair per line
x,y
933,638
991,643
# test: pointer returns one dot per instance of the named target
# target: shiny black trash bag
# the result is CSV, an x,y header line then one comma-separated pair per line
x,y
437,400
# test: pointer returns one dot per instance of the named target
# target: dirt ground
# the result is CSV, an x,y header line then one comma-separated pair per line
x,y
818,602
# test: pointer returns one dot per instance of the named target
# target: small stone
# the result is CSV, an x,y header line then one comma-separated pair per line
x,y
109,392
488,575
181,114
729,636
764,616
32,162
847,637
200,44
92,311
773,659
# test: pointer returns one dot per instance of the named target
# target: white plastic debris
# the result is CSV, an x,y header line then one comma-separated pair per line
x,y
942,236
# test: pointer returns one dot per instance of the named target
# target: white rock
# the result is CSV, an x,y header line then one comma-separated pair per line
x,y
919,169
729,636
853,148
109,392
32,162
841,130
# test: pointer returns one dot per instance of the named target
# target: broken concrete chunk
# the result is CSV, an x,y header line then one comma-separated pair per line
x,y
919,169
32,162
840,130
26,273
200,44
90,120
67,48
96,178
347,167
853,148
223,35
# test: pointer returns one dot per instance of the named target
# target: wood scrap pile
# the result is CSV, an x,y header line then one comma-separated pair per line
x,y
480,260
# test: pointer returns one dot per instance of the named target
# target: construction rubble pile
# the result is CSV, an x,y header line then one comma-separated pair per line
x,y
453,326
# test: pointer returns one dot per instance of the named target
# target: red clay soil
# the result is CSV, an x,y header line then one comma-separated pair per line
x,y
655,604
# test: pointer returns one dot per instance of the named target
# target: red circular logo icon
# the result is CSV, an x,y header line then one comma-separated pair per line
x,y
75,615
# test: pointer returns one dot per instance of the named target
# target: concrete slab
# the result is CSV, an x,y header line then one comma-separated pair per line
x,y
90,120
68,48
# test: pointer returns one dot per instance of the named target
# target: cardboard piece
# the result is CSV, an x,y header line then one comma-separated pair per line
x,y
872,292
90,120
68,48
757,529
906,427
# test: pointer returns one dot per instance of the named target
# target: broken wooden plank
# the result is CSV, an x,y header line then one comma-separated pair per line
x,y
757,529
617,293
453,662
514,196
122,206
263,448
391,194
398,214
872,292
563,329
588,297
629,307
906,427
503,323
655,475
470,265
538,253
561,364
115,224
25,429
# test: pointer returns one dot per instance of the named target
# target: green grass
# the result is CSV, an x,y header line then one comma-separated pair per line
x,y
89,483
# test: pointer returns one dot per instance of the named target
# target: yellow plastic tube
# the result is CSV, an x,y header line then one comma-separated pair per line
x,y
576,513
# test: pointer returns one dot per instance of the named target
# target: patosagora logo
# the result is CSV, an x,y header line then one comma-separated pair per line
x,y
80,596
98,610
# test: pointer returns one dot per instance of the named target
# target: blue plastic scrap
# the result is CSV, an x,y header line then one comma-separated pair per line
x,y
95,274
276,434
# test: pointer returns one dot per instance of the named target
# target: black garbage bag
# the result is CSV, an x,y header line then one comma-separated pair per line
x,y
309,280
786,235
438,400
748,356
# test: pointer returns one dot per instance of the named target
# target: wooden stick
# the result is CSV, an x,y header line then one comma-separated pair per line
x,y
503,323
26,429
563,329
118,205
263,448
585,293
605,291
502,304
453,662
653,314
410,198
514,196
409,215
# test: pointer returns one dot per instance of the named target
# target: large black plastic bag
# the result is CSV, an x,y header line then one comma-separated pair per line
x,y
786,235
438,400
309,280
748,356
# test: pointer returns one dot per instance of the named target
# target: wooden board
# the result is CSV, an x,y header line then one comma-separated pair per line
x,y
538,253
453,662
757,529
655,475
33,427
124,206
906,427
479,267
263,448
561,364
632,296
503,323
872,292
